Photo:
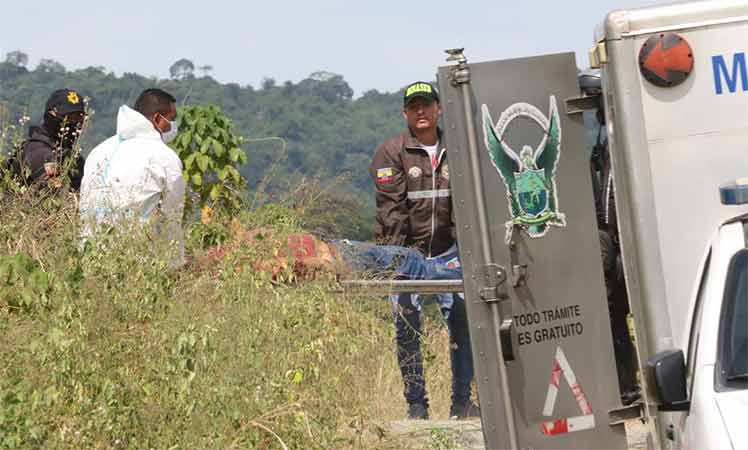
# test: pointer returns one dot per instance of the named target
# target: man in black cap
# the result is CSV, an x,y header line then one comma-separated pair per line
x,y
414,209
48,152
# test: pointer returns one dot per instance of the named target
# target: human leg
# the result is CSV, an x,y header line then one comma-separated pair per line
x,y
391,260
461,358
618,309
409,359
398,261
445,266
623,348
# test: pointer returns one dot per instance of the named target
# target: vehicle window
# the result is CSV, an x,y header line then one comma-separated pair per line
x,y
733,364
693,341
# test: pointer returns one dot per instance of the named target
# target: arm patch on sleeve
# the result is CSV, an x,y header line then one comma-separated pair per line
x,y
385,175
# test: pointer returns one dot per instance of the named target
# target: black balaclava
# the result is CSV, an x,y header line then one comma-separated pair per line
x,y
63,102
62,132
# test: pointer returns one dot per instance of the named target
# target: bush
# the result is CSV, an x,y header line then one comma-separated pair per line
x,y
211,154
23,284
112,351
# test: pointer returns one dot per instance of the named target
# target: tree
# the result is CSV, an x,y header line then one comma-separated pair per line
x,y
50,66
330,86
211,154
322,76
17,58
267,83
206,69
326,134
184,68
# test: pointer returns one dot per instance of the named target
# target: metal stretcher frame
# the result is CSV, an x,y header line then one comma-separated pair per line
x,y
377,287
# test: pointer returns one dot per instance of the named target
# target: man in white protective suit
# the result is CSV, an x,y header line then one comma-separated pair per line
x,y
135,178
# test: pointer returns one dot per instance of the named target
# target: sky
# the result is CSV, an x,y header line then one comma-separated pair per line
x,y
383,44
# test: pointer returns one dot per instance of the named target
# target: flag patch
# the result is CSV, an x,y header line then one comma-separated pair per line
x,y
385,175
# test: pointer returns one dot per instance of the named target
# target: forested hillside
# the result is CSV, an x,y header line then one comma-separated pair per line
x,y
328,132
103,347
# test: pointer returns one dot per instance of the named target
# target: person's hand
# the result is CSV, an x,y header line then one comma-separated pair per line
x,y
50,169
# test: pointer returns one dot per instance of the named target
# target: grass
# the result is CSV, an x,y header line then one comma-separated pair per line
x,y
107,349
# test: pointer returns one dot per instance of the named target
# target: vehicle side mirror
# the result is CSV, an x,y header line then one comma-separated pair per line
x,y
667,370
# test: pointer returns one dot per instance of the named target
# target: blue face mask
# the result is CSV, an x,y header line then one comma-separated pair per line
x,y
171,134
168,136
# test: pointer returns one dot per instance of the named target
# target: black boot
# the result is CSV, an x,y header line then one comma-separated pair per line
x,y
464,411
418,411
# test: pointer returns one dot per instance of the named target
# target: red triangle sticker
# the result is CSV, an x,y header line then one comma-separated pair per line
x,y
570,424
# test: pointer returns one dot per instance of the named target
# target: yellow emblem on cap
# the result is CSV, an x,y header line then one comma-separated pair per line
x,y
418,87
73,98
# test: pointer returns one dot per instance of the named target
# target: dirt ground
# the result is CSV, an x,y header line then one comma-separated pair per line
x,y
467,435
636,434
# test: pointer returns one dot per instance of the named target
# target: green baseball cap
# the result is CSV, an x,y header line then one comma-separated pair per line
x,y
420,89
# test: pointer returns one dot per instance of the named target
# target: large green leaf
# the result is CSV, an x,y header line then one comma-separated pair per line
x,y
234,173
205,146
201,126
215,191
203,162
188,161
218,148
234,154
185,139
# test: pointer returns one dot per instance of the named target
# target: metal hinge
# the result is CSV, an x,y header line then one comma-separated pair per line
x,y
491,277
598,55
620,415
459,73
578,105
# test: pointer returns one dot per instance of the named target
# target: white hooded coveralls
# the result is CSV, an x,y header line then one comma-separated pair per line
x,y
135,176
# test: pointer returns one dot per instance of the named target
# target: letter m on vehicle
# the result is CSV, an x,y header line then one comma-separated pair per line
x,y
730,74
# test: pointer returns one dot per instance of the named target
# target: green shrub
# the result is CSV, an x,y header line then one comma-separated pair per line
x,y
116,352
24,285
211,154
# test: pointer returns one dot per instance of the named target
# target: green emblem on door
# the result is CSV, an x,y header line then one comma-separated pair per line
x,y
530,176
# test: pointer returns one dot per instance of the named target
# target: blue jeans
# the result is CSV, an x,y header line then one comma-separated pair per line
x,y
402,262
408,340
399,262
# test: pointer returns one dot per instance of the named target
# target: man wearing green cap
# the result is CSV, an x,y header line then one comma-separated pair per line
x,y
414,209
49,150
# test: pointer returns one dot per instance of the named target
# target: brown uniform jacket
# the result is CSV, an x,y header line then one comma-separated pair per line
x,y
40,149
414,203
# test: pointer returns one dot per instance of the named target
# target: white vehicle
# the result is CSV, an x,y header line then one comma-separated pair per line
x,y
676,98
713,389
675,95
675,91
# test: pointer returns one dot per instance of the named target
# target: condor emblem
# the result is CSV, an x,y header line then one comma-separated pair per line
x,y
530,177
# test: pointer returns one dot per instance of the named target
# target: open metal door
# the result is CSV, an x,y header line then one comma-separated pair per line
x,y
531,254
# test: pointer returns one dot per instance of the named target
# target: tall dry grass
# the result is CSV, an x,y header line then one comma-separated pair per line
x,y
104,348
